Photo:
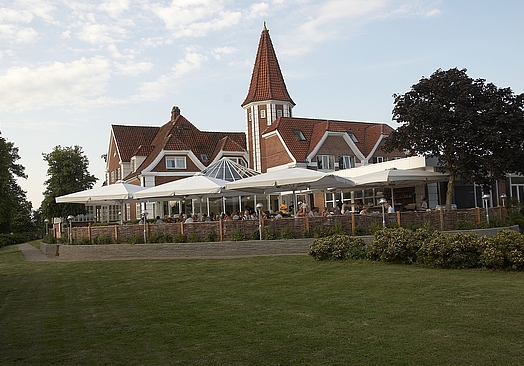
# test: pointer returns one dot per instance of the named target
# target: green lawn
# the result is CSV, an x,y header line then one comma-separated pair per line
x,y
285,310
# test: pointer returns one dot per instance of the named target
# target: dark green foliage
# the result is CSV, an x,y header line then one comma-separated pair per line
x,y
15,238
338,229
67,173
102,239
15,210
503,251
238,235
337,247
135,239
269,234
321,231
359,231
211,236
180,238
450,251
193,238
287,233
161,238
255,235
374,227
464,225
306,234
395,245
83,241
49,239
465,123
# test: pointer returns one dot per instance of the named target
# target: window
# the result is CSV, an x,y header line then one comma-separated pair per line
x,y
239,161
325,162
263,113
346,162
112,176
379,159
300,135
352,137
204,158
118,174
178,162
133,164
250,116
279,113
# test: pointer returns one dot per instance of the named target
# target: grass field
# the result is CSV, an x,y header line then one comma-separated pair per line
x,y
284,310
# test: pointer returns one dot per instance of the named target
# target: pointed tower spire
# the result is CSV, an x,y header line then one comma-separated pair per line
x,y
267,99
267,82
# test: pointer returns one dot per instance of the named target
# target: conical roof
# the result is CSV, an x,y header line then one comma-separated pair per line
x,y
228,170
267,82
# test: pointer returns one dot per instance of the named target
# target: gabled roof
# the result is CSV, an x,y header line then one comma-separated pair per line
x,y
313,130
267,82
129,139
178,135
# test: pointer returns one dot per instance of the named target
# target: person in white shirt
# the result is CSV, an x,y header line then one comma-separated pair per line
x,y
389,207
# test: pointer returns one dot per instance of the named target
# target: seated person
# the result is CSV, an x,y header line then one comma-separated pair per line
x,y
283,207
159,220
365,211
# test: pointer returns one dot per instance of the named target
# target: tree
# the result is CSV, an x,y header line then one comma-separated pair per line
x,y
474,128
67,173
15,210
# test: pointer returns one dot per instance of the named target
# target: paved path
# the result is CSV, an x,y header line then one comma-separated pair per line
x,y
68,253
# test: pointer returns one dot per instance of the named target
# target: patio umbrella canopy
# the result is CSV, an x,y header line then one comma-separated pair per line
x,y
110,194
398,178
292,179
196,185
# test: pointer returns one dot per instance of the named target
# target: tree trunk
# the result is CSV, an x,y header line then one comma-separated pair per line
x,y
450,191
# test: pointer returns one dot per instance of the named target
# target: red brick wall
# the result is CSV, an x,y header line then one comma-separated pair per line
x,y
275,154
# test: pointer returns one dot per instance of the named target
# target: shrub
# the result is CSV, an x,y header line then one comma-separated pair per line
x,y
193,238
337,247
359,231
48,239
83,241
451,251
211,236
287,233
269,234
255,235
161,238
337,229
321,231
396,245
306,234
374,227
135,239
238,235
464,225
102,239
504,250
180,238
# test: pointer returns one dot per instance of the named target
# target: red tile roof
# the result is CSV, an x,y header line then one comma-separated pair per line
x,y
130,138
177,134
267,82
366,133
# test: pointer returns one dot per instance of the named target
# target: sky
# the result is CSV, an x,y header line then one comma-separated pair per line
x,y
71,69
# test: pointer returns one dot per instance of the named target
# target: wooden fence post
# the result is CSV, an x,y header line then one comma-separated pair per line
x,y
116,233
399,223
441,219
182,227
477,210
89,232
220,231
352,223
307,223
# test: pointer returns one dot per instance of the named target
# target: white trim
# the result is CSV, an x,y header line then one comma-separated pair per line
x,y
276,133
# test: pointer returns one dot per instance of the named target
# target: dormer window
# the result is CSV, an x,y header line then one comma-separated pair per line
x,y
300,135
204,158
352,137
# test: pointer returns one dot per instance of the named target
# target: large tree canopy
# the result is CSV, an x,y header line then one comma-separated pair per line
x,y
474,128
68,173
15,210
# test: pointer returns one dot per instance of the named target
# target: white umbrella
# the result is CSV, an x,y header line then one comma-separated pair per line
x,y
196,185
113,194
396,178
291,179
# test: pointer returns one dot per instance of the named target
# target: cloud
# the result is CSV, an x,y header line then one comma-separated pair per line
x,y
101,33
158,88
114,7
79,82
195,18
17,34
134,68
339,18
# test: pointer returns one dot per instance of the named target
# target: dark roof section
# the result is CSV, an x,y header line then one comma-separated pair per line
x,y
130,138
366,133
267,82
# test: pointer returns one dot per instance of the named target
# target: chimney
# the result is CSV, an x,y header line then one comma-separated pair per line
x,y
175,112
